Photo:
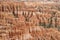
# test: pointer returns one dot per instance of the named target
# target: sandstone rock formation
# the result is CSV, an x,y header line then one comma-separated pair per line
x,y
29,21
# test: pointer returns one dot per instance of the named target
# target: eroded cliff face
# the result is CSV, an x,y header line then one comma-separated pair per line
x,y
45,14
29,21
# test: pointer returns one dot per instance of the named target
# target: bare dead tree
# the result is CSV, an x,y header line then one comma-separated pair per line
x,y
2,8
40,23
27,15
15,11
44,24
53,15
55,20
